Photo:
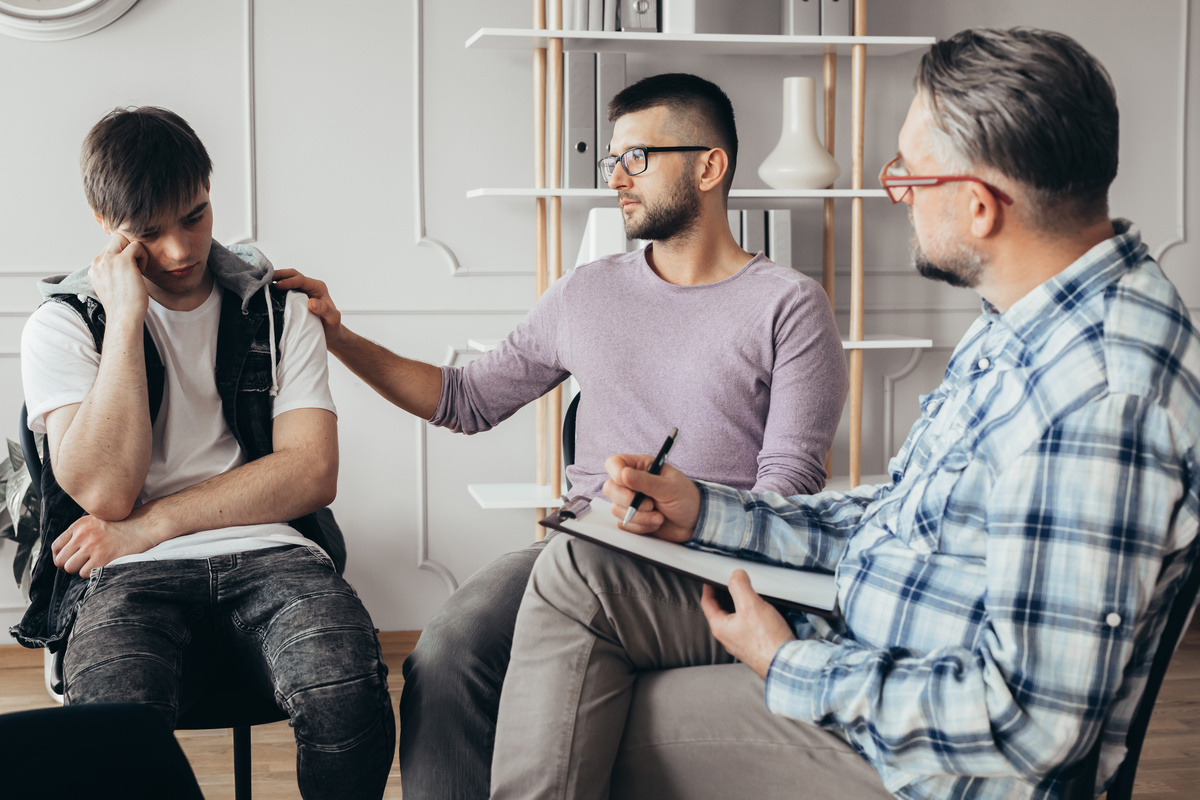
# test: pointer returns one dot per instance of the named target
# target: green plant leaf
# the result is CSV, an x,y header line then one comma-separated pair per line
x,y
16,456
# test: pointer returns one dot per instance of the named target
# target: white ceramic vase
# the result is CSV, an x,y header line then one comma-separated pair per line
x,y
799,161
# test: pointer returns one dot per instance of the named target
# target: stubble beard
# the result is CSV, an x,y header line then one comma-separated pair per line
x,y
672,217
961,266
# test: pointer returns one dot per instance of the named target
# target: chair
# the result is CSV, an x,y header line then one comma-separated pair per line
x,y
226,705
568,433
1082,781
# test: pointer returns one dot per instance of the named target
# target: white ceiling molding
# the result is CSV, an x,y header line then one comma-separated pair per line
x,y
1181,107
61,21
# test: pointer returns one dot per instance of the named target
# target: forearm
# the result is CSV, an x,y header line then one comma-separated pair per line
x,y
412,385
808,532
275,488
103,454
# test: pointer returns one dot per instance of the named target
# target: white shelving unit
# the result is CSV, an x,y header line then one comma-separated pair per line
x,y
548,45
513,495
872,342
734,194
672,44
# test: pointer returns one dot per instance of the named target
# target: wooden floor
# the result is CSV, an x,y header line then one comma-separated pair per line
x,y
1169,768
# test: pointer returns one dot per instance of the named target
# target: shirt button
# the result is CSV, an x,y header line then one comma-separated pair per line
x,y
984,363
1113,619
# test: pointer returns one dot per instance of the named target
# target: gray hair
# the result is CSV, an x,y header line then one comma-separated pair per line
x,y
1033,105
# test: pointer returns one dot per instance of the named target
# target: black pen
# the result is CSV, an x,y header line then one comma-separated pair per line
x,y
655,468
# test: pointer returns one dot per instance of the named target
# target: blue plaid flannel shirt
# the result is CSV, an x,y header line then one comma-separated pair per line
x,y
1001,598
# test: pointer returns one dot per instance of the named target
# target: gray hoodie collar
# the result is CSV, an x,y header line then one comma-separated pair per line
x,y
241,268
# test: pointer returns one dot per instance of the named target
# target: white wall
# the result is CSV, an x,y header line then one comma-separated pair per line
x,y
338,149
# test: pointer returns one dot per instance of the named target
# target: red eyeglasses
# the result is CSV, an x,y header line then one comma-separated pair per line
x,y
898,184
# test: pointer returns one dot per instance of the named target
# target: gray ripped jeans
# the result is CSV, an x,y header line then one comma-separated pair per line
x,y
154,632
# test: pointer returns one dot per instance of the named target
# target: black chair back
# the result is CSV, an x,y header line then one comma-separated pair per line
x,y
29,449
568,433
1081,785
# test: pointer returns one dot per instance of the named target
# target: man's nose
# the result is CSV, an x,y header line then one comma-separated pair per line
x,y
619,177
174,247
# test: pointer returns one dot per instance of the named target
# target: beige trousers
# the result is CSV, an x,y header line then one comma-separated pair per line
x,y
617,688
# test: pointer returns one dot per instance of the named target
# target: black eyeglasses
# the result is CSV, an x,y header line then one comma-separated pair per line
x,y
635,159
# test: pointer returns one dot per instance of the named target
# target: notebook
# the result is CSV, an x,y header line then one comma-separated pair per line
x,y
803,590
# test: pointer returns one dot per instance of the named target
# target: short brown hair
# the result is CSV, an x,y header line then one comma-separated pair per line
x,y
696,105
139,163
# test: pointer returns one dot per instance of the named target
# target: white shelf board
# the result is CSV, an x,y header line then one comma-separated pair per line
x,y
887,342
872,342
716,44
842,483
483,345
736,194
513,495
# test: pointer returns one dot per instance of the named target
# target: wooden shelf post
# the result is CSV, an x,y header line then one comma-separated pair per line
x,y
548,108
828,266
554,236
539,181
858,73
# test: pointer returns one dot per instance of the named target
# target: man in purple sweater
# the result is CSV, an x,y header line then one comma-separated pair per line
x,y
740,354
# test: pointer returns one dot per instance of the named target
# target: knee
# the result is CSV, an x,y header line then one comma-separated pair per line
x,y
453,645
471,635
340,716
571,562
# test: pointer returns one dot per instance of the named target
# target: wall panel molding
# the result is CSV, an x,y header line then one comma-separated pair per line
x,y
1181,133
251,234
251,188
456,269
423,560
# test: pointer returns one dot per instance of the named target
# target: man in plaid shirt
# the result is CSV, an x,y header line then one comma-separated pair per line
x,y
1001,598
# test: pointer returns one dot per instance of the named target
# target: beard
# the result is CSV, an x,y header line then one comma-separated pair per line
x,y
961,266
673,216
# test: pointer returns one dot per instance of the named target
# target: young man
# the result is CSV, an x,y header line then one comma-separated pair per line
x,y
188,420
738,353
1001,597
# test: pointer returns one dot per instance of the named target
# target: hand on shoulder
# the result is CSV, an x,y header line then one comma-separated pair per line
x,y
319,301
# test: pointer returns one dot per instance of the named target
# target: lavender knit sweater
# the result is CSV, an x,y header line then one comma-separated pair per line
x,y
750,369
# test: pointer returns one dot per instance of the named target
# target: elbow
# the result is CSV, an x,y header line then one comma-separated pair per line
x,y
324,478
325,495
109,494
105,504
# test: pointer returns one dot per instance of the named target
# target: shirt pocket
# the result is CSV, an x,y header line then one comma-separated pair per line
x,y
256,371
922,516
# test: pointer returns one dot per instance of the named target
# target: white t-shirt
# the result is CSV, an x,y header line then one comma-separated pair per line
x,y
192,441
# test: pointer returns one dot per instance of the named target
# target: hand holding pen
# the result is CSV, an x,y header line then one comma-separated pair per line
x,y
655,468
676,497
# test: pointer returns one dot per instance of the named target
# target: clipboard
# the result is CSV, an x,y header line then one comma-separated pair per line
x,y
786,587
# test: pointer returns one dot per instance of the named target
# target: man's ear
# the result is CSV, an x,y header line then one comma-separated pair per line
x,y
103,224
984,211
711,168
